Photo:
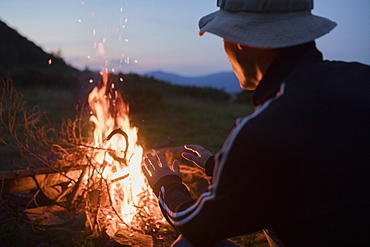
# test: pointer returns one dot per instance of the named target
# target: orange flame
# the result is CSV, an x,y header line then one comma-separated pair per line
x,y
119,156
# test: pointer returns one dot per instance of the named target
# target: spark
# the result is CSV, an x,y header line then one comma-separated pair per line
x,y
101,49
50,61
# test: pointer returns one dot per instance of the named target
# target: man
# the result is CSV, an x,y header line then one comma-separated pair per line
x,y
299,165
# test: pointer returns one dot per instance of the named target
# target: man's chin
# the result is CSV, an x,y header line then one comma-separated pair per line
x,y
248,85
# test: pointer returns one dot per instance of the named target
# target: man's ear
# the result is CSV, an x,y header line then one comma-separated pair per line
x,y
239,46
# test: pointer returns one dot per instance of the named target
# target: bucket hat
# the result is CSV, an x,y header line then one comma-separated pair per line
x,y
266,23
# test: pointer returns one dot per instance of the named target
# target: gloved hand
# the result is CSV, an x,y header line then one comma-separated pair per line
x,y
199,155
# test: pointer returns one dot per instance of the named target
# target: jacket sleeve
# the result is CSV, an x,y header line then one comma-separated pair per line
x,y
210,165
228,208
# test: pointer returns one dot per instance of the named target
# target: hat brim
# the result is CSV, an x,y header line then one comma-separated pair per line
x,y
266,30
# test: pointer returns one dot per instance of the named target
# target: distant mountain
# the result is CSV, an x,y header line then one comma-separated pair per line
x,y
226,81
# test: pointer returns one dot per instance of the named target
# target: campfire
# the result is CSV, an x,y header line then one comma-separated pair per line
x,y
95,177
115,161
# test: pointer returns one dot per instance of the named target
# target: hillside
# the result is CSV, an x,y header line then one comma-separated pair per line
x,y
28,65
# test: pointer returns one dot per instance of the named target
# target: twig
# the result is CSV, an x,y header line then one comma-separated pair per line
x,y
120,178
76,189
111,203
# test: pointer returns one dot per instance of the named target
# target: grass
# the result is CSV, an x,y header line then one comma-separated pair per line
x,y
189,122
184,115
58,104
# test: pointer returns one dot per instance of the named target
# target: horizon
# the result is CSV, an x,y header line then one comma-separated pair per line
x,y
145,36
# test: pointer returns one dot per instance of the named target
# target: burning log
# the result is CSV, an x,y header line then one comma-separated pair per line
x,y
36,178
35,171
128,238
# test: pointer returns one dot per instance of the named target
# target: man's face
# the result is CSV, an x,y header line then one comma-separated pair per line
x,y
244,63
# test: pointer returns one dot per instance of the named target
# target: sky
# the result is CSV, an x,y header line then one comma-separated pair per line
x,y
149,35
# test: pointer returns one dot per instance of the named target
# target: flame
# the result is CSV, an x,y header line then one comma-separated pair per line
x,y
118,157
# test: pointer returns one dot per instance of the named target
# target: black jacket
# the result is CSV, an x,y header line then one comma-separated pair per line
x,y
298,165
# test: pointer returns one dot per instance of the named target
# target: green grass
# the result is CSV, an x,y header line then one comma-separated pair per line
x,y
56,103
184,115
189,121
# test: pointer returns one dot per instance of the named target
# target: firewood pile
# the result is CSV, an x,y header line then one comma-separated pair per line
x,y
50,210
57,192
58,204
41,200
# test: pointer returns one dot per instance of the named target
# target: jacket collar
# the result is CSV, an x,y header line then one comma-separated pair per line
x,y
282,68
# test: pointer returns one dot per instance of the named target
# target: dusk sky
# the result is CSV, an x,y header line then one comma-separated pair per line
x,y
146,35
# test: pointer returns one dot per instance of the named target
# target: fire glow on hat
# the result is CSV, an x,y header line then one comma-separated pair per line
x,y
266,23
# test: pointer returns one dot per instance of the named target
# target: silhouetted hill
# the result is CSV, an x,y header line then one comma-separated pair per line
x,y
226,81
28,65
